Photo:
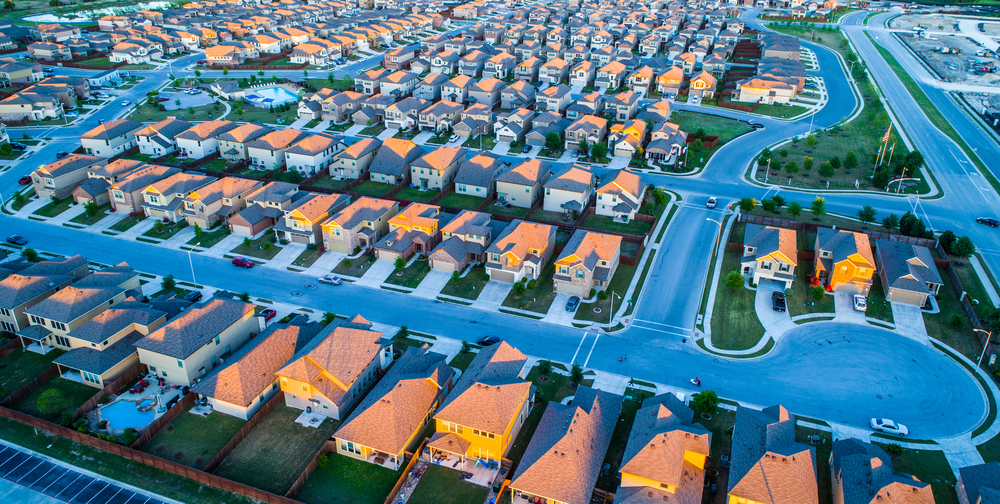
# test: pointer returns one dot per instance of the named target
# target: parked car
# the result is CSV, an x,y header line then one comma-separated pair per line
x,y
572,303
202,62
47,69
61,154
18,146
330,279
454,137
16,240
526,149
989,221
890,427
860,303
193,296
268,314
162,99
25,180
778,301
242,261
711,202
488,340
102,121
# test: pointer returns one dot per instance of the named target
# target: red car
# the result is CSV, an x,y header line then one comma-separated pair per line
x,y
202,62
268,314
25,180
163,99
242,261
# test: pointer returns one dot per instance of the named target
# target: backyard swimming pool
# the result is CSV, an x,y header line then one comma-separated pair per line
x,y
124,414
274,95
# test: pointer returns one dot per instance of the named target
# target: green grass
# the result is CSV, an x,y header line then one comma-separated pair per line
x,y
149,112
603,223
373,131
721,445
264,115
54,208
372,188
515,148
480,142
217,164
209,239
823,480
618,285
20,367
412,275
348,481
307,258
169,230
990,450
355,267
87,220
332,183
193,440
951,326
462,360
256,248
877,306
468,287
735,325
557,388
73,394
276,452
540,298
415,194
103,61
929,466
779,111
513,211
725,129
799,298
441,485
974,287
457,200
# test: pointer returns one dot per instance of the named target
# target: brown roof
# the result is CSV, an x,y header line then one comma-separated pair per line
x,y
625,180
590,247
184,335
526,173
520,237
489,395
277,139
361,210
206,130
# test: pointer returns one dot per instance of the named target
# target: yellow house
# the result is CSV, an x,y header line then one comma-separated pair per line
x,y
412,231
844,260
665,456
485,412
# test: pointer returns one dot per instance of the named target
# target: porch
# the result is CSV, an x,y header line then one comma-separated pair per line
x,y
448,450
36,338
385,460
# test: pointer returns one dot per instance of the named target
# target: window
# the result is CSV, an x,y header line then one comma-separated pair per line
x,y
7,326
180,363
765,265
216,339
580,274
564,270
58,325
35,320
62,341
350,447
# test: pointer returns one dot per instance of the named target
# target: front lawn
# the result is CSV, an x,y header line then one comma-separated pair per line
x,y
467,287
540,298
356,267
372,188
735,325
210,239
276,452
951,326
726,129
877,306
373,131
88,220
464,201
334,183
516,147
71,396
307,257
193,440
262,247
441,485
480,142
54,208
127,223
604,223
462,360
20,367
799,299
412,275
556,388
619,286
169,230
346,480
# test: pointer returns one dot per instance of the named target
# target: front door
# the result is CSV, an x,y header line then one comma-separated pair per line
x,y
423,183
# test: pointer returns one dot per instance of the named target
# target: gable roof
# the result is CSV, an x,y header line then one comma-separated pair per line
x,y
520,237
111,130
528,173
578,178
588,248
183,335
770,240
908,267
395,155
767,464
843,244
489,394
866,475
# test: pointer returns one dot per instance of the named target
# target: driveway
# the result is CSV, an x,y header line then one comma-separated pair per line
x,y
775,323
377,273
844,304
432,284
557,313
492,296
282,260
909,321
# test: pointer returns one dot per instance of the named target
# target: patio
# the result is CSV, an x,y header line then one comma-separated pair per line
x,y
483,472
310,419
384,460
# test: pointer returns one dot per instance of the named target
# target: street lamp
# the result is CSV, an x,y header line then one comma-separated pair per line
x,y
612,314
718,236
985,345
190,263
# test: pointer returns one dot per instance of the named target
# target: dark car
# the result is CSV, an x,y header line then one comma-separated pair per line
x,y
268,314
488,340
202,62
778,301
193,296
989,221
526,149
572,303
18,146
242,261
61,154
25,180
163,99
16,240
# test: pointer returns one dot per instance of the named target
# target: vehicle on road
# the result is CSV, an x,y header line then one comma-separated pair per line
x,y
102,121
778,301
267,313
711,202
488,340
47,69
162,99
330,279
989,221
242,261
526,149
572,303
860,303
124,103
454,137
16,240
25,180
889,427
62,154
193,296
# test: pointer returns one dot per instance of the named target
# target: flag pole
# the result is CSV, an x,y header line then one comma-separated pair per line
x,y
891,151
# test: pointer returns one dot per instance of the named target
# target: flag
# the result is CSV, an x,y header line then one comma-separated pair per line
x,y
886,137
685,150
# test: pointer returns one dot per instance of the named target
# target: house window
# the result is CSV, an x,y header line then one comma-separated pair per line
x,y
62,341
564,270
350,447
180,363
765,265
783,267
152,369
580,274
216,339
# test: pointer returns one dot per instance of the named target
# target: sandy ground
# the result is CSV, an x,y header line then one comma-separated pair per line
x,y
954,66
978,100
933,22
991,29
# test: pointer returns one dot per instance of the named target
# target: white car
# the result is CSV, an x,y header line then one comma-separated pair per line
x,y
330,279
860,303
454,137
889,427
124,103
711,202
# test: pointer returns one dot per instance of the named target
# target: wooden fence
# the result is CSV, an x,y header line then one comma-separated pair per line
x,y
159,423
872,235
257,418
109,389
328,447
391,498
9,347
16,396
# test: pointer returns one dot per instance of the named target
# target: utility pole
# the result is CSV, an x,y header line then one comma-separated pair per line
x,y
768,172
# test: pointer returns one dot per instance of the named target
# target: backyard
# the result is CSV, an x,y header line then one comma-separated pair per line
x,y
71,396
732,328
193,440
262,247
416,194
276,452
465,201
609,480
537,299
722,441
441,485
372,188
22,366
469,286
604,223
348,481
412,275
334,183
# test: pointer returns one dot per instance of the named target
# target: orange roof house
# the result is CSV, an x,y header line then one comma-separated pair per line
x,y
844,260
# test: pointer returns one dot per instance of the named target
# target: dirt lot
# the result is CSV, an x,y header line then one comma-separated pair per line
x,y
977,101
954,67
931,22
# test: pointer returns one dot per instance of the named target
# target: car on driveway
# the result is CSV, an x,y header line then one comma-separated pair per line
x,y
860,303
330,279
267,313
572,303
778,301
454,137
61,154
16,240
242,261
989,221
889,427
193,296
711,202
488,341
18,146
162,99
25,180
526,149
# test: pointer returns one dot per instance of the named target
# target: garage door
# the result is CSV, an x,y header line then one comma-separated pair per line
x,y
241,230
503,276
297,238
440,265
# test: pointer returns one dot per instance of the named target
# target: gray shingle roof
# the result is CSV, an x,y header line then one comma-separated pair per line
x,y
395,155
69,164
73,302
99,362
758,436
866,473
478,171
112,321
182,336
981,480
907,267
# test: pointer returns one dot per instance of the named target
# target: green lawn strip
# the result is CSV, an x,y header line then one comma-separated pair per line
x,y
480,142
257,248
176,291
779,111
415,194
20,367
604,223
556,388
467,287
332,183
112,466
150,112
88,220
609,480
877,306
372,188
169,230
73,394
823,449
193,440
929,466
553,217
833,40
307,258
516,147
512,211
735,325
54,208
411,275
465,201
215,165
441,485
348,481
990,450
462,360
356,267
538,299
619,286
373,130
276,452
209,239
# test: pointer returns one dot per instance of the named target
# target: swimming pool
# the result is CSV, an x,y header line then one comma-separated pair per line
x,y
123,414
274,95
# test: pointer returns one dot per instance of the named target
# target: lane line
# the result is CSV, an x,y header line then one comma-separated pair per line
x,y
584,338
591,350
661,324
662,331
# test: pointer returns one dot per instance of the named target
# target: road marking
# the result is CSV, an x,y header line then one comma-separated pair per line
x,y
591,349
682,335
584,338
664,325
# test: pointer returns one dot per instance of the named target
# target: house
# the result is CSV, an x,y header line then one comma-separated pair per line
x,y
520,251
667,141
765,90
476,177
445,62
202,140
978,484
512,126
164,198
414,230
908,272
473,63
564,457
554,71
704,84
589,128
441,116
398,58
621,197
247,379
268,151
582,74
769,253
519,94
640,80
302,220
217,201
862,473
487,91
664,460
570,191
330,373
314,153
844,260
610,76
61,177
359,225
159,139
624,105
522,185
233,143
392,162
487,408
499,66
457,89
588,261
111,138
657,112
190,346
430,87
626,139
26,288
370,82
126,194
436,169
264,207
475,121
353,162
670,82
554,98
404,114
70,307
398,84
391,417
528,69
464,241
765,451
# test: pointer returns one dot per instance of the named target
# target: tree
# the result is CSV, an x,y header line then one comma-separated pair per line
x,y
890,222
400,263
552,141
906,223
305,73
177,102
328,317
783,152
129,435
795,208
576,373
768,205
584,147
818,293
545,367
466,346
792,167
811,140
747,204
402,333
964,247
734,280
51,402
8,4
705,402
778,201
895,450
197,230
244,296
881,178
850,160
818,207
599,150
330,77
867,214
826,170
947,240
30,254
197,73
91,208
807,163
247,243
518,288
158,226
168,282
225,71
835,162
6,149
348,80
699,133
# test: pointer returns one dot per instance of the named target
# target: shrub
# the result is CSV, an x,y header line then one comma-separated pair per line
x,y
158,226
894,450
956,321
705,402
30,254
346,263
400,263
50,402
323,460
602,295
67,419
466,346
532,283
519,289
734,279
593,292
402,332
168,282
576,373
268,246
244,296
818,292
129,436
312,246
328,317
454,276
545,367
104,400
6,149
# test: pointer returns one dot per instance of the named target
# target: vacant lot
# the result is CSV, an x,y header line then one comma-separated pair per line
x,y
193,440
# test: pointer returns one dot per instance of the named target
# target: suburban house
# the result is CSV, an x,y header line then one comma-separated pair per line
x,y
70,307
217,201
464,241
908,272
564,457
127,193
359,225
588,261
392,162
264,207
26,288
302,220
476,177
844,260
485,411
770,253
487,91
190,346
436,169
978,484
164,199
626,139
414,230
665,457
268,151
330,373
99,179
862,473
667,141
624,105
570,191
202,139
159,139
313,153
233,143
521,186
391,417
765,451
767,90
404,114
520,252
554,98
440,116
513,126
475,121
111,138
353,162
621,197
62,176
589,127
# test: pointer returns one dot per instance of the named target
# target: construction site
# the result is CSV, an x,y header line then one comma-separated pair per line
x,y
957,48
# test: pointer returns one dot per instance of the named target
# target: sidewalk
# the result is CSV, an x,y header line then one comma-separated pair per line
x,y
985,280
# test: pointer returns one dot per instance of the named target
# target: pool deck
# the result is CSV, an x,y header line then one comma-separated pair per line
x,y
166,393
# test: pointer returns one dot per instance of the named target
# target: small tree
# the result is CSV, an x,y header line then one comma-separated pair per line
x,y
519,288
850,160
747,204
867,214
964,247
778,201
244,296
947,240
890,222
705,402
168,282
454,276
158,226
584,147
328,317
466,346
811,140
576,373
792,167
602,295
553,141
826,170
330,77
268,246
795,208
818,207
894,450
6,149
768,205
807,163
51,402
783,152
734,280
403,332
818,293
91,208
197,73
129,436
247,243
599,150
835,162
197,230
545,367
881,178
400,263
177,102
